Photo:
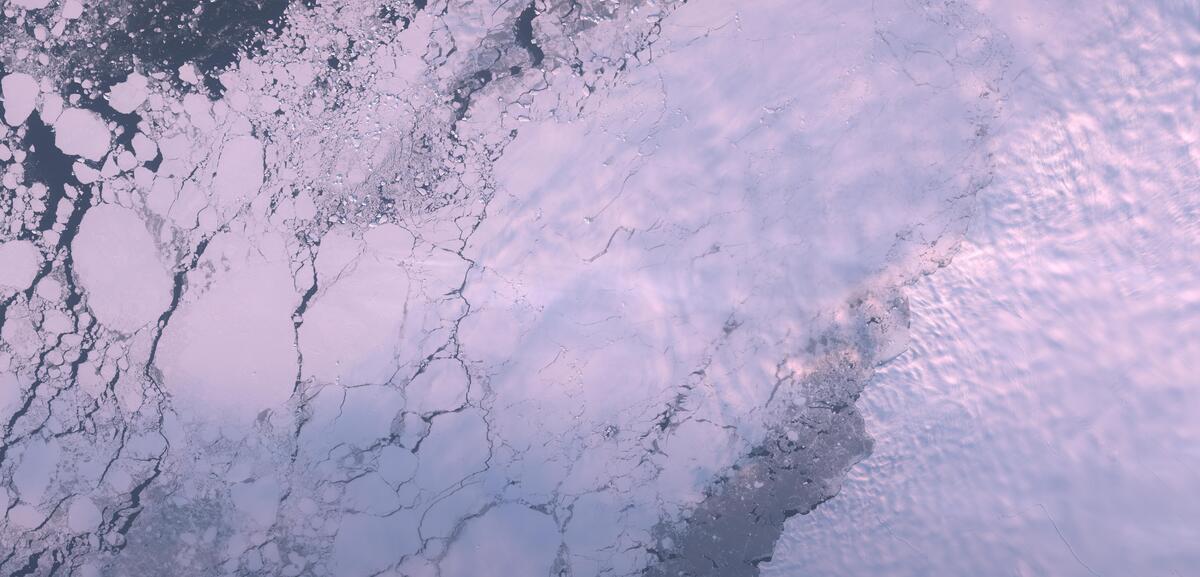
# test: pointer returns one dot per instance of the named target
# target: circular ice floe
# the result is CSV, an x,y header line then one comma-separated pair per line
x,y
81,133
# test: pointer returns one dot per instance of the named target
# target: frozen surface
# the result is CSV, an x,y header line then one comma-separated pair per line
x,y
20,93
127,96
31,4
582,288
1043,422
18,263
119,267
81,132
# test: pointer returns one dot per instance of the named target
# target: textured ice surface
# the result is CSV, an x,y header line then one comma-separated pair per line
x,y
584,287
1043,421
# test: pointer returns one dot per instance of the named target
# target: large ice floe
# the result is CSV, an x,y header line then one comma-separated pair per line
x,y
466,288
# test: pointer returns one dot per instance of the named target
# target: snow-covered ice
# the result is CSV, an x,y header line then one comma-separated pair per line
x,y
557,287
